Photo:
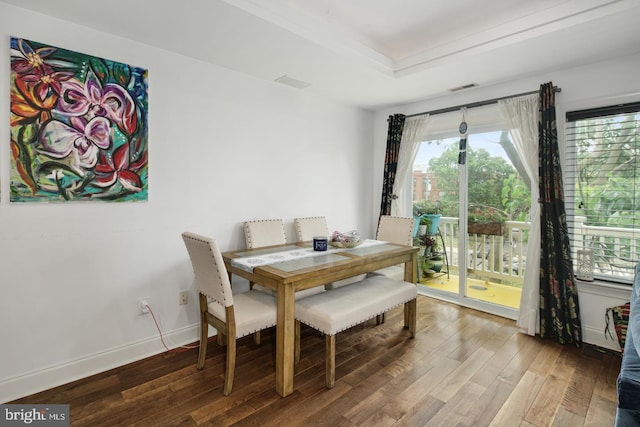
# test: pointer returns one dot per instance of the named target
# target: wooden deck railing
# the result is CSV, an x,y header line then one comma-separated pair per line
x,y
615,253
503,258
500,258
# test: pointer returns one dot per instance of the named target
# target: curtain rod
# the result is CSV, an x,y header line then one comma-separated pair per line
x,y
477,104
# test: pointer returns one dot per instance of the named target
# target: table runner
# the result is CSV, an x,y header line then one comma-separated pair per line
x,y
248,263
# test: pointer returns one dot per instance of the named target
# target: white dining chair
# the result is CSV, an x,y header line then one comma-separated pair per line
x,y
264,232
270,232
233,316
398,230
310,227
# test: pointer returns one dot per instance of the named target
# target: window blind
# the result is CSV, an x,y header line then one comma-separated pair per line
x,y
603,188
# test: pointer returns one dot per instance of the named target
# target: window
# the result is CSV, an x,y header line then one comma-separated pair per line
x,y
603,188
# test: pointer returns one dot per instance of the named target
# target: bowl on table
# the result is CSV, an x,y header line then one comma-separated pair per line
x,y
349,239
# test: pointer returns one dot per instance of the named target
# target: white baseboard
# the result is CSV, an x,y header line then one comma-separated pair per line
x,y
597,337
53,376
595,298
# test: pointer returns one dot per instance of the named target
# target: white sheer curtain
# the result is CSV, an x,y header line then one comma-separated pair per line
x,y
412,134
522,115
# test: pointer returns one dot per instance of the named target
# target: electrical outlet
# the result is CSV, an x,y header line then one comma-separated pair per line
x,y
143,306
183,297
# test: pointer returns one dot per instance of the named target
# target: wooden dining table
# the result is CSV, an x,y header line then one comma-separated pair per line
x,y
287,276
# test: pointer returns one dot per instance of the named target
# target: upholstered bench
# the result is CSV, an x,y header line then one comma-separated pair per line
x,y
339,309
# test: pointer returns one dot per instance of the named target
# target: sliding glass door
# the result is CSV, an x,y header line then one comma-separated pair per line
x,y
479,255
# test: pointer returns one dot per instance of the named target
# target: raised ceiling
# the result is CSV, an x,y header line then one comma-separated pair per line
x,y
372,53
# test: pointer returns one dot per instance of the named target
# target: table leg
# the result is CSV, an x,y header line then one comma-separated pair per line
x,y
411,276
285,340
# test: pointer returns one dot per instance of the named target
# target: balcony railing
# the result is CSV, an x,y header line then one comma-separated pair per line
x,y
615,252
498,258
502,258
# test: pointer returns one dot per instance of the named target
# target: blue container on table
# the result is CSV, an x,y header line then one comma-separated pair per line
x,y
320,243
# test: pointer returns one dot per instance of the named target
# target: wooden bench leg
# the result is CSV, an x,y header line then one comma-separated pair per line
x,y
330,360
406,316
410,319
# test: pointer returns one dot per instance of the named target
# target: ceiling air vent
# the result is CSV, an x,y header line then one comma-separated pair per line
x,y
463,87
286,80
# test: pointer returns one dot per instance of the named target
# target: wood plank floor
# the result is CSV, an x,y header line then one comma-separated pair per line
x,y
464,368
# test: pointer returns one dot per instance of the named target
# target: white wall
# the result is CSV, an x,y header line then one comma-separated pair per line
x,y
593,85
224,148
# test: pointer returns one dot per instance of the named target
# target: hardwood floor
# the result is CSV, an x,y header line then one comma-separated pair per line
x,y
464,368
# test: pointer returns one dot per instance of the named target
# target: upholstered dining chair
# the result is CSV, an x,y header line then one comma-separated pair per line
x,y
264,232
310,227
233,316
398,230
269,232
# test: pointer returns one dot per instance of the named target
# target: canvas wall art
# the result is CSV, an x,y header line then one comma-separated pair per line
x,y
79,129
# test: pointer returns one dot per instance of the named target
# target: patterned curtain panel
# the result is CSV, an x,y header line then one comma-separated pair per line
x,y
394,135
559,310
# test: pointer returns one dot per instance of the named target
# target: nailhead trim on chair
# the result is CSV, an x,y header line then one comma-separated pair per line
x,y
298,221
410,222
250,243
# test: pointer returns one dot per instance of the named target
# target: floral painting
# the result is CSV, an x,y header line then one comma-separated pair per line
x,y
79,127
